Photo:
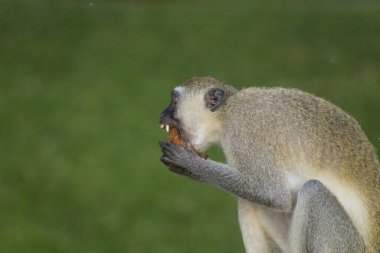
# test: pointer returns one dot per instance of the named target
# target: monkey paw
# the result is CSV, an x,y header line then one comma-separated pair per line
x,y
178,159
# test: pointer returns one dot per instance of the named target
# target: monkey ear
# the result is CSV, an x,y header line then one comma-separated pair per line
x,y
214,98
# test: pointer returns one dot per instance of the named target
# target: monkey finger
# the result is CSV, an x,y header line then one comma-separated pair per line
x,y
178,170
172,145
183,172
171,149
167,161
164,146
161,143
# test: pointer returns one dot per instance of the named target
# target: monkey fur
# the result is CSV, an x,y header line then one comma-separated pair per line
x,y
306,177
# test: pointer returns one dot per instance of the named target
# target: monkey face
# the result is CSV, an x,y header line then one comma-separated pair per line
x,y
170,121
168,117
194,114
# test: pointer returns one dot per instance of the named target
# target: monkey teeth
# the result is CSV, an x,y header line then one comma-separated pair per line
x,y
167,127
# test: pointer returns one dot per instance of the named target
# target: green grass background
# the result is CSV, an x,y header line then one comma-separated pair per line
x,y
81,87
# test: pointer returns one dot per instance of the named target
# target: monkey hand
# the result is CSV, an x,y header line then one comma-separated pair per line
x,y
178,158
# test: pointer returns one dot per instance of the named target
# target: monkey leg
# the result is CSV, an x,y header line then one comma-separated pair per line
x,y
255,238
320,224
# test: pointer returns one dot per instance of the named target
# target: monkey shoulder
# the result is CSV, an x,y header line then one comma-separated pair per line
x,y
289,105
277,117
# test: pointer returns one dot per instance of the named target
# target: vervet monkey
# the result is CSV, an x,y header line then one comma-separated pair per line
x,y
306,177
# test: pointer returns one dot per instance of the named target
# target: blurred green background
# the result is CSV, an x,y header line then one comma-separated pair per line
x,y
81,87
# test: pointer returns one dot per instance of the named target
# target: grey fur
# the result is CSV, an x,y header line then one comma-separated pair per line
x,y
267,132
323,226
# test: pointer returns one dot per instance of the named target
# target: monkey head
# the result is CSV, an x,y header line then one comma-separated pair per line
x,y
195,111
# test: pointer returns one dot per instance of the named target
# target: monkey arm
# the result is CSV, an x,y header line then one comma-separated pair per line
x,y
247,187
259,189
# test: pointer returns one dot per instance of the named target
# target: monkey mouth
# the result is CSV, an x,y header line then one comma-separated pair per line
x,y
177,136
167,127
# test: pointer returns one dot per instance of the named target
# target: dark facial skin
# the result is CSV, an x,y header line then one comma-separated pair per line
x,y
167,117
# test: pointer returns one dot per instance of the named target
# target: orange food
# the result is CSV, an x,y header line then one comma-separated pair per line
x,y
175,137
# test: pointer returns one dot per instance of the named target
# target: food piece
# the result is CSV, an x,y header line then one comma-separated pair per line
x,y
175,137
